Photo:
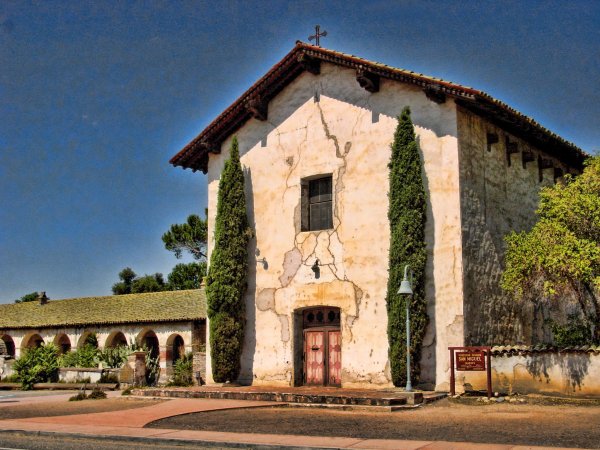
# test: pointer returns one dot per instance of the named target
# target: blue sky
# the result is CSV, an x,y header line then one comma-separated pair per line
x,y
95,97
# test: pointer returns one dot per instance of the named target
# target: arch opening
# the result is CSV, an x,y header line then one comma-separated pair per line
x,y
32,340
88,338
7,346
63,343
149,339
116,339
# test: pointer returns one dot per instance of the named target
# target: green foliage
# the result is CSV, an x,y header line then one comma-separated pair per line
x,y
96,394
226,339
77,398
226,280
115,357
148,283
187,276
574,333
37,365
88,355
407,216
190,236
560,256
108,378
28,298
12,378
152,368
183,371
132,284
68,359
127,391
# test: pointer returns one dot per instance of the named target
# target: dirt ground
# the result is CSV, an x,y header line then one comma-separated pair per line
x,y
62,408
552,424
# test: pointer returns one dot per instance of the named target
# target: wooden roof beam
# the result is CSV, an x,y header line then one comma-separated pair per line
x,y
527,157
367,80
491,139
310,64
511,147
435,93
258,107
543,164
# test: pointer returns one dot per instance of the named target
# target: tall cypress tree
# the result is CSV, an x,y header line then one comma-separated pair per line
x,y
226,280
407,215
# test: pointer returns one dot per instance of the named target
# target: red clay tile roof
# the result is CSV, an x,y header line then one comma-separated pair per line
x,y
195,155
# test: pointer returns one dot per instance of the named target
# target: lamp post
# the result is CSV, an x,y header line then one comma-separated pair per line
x,y
406,289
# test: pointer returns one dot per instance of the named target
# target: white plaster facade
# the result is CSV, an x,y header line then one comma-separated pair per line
x,y
327,124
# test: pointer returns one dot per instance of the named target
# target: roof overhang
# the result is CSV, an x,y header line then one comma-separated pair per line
x,y
305,57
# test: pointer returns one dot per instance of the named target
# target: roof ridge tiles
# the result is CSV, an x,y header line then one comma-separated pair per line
x,y
195,154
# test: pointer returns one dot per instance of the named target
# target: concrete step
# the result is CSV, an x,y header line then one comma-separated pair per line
x,y
341,397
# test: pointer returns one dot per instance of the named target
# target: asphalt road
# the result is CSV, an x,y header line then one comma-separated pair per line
x,y
10,440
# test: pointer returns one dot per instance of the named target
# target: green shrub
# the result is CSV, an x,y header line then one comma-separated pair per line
x,y
115,357
13,378
127,391
108,378
152,369
85,357
407,215
183,374
77,398
68,359
97,394
575,332
226,279
37,365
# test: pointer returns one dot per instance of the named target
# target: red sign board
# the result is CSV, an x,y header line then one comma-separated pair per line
x,y
471,358
470,361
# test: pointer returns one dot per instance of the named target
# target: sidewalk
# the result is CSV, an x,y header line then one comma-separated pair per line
x,y
129,424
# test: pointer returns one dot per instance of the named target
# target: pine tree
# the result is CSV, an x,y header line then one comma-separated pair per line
x,y
226,280
407,215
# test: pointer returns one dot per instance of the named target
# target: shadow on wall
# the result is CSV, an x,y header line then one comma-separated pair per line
x,y
574,368
247,359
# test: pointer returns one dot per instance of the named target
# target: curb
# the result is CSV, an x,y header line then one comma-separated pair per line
x,y
159,440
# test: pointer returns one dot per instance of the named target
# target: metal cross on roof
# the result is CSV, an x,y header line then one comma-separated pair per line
x,y
317,35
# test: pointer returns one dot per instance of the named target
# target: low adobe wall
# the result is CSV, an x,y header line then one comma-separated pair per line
x,y
569,372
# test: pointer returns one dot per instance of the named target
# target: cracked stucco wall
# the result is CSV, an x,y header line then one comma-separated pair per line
x,y
495,199
327,124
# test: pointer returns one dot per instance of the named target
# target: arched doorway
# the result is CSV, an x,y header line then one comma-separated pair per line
x,y
32,341
116,339
63,343
7,345
88,338
150,341
175,348
322,346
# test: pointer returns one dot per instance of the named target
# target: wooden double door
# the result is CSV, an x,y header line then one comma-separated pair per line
x,y
322,357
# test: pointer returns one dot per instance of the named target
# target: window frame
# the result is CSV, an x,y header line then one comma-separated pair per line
x,y
318,200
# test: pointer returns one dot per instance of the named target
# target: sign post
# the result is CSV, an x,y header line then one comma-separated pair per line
x,y
470,359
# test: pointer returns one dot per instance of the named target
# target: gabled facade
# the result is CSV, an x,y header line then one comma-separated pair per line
x,y
314,136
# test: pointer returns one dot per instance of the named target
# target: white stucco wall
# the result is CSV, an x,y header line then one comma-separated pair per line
x,y
328,124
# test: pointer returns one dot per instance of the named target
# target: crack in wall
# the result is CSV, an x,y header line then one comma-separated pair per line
x,y
325,245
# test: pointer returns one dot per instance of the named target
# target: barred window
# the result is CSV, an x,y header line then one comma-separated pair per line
x,y
317,211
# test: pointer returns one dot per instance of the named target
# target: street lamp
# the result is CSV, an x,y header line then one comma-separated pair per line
x,y
406,289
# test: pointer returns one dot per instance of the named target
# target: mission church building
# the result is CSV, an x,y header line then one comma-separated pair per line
x,y
314,136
